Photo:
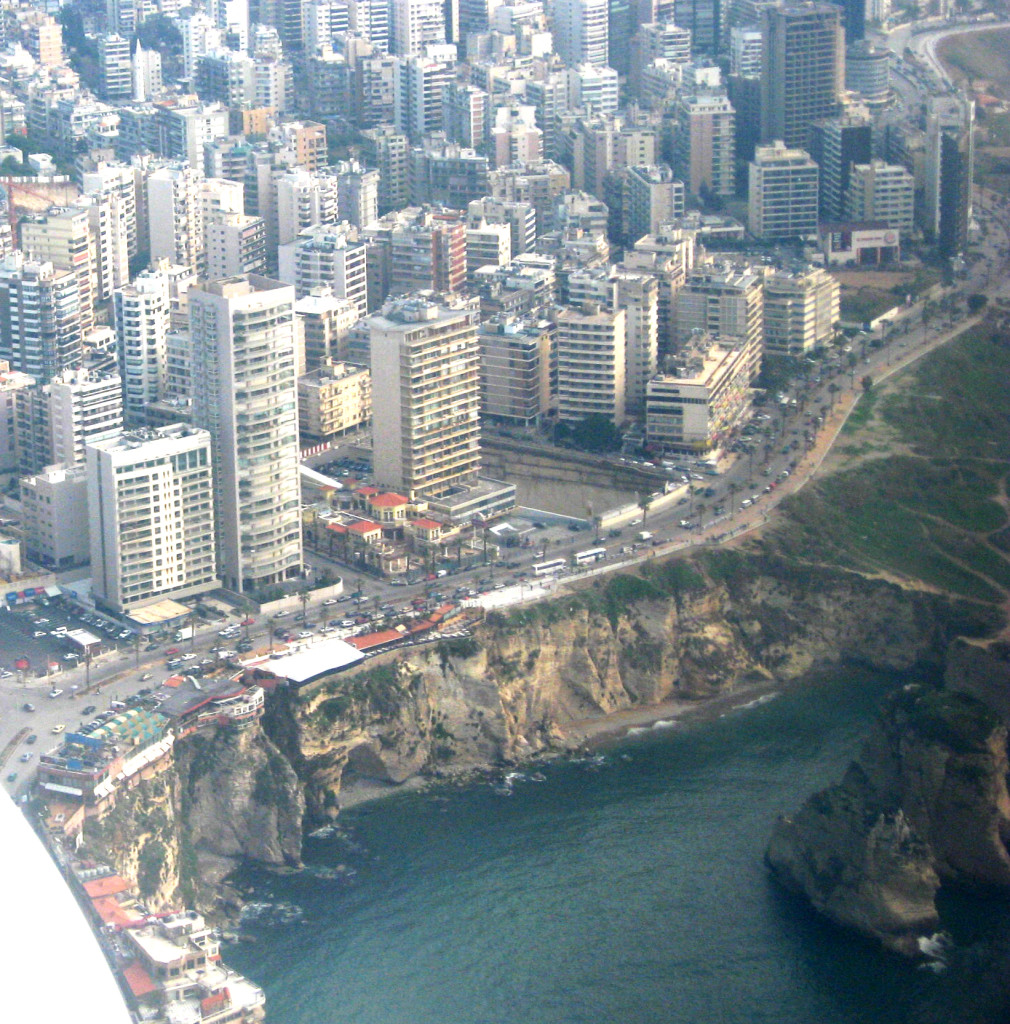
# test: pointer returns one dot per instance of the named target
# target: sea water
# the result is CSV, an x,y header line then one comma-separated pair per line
x,y
627,889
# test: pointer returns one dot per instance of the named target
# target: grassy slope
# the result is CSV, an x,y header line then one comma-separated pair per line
x,y
935,511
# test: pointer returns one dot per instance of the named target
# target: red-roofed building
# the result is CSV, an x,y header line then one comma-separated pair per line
x,y
110,885
112,912
367,531
428,530
389,507
138,981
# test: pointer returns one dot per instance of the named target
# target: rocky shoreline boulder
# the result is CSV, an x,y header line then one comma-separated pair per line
x,y
925,804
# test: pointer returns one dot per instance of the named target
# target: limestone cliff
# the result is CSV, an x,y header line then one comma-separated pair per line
x,y
680,629
516,687
926,803
228,796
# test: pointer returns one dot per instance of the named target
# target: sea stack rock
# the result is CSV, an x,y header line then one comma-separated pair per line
x,y
925,803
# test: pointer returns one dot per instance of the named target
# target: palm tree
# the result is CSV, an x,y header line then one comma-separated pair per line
x,y
645,503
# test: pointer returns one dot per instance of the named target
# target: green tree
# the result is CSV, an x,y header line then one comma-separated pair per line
x,y
596,433
977,302
867,383
645,503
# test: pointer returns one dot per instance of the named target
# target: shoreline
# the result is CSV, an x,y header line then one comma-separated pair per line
x,y
587,734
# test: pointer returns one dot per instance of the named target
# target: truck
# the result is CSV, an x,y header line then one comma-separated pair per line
x,y
644,535
183,633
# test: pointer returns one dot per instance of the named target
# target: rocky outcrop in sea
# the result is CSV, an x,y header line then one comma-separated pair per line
x,y
925,804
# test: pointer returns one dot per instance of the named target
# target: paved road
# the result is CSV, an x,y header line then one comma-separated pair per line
x,y
121,673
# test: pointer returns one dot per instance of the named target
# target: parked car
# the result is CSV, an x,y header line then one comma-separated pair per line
x,y
26,757
55,692
57,729
27,707
89,710
31,739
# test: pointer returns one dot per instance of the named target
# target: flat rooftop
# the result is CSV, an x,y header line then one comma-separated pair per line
x,y
312,662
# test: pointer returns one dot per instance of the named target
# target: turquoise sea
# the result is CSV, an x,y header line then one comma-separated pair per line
x,y
625,891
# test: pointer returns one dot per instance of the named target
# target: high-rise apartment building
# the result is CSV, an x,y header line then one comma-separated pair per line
x,y
151,511
419,84
175,216
581,31
465,114
515,370
245,395
487,245
62,236
705,144
84,406
118,182
425,362
745,43
722,301
782,197
703,18
142,319
304,200
327,256
638,295
879,191
800,311
802,69
54,507
40,317
415,24
652,196
520,217
591,363
837,143
116,67
949,170
370,19
325,322
236,244
389,151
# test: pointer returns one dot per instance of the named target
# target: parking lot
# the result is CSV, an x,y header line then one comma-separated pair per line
x,y
35,633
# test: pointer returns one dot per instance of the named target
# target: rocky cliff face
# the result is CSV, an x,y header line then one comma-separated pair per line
x,y
229,796
925,803
686,629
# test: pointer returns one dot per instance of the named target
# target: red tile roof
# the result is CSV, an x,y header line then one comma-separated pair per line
x,y
367,492
365,527
139,980
336,527
110,885
389,500
426,524
111,911
370,640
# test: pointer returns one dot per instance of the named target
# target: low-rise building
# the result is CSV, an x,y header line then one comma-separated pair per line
x,y
334,399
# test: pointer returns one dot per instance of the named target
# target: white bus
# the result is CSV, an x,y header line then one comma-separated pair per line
x,y
550,567
590,555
